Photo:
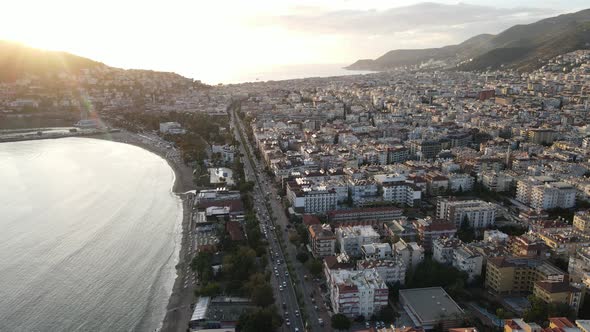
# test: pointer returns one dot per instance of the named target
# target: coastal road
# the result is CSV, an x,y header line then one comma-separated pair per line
x,y
275,209
287,295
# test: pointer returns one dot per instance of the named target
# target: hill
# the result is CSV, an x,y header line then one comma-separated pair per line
x,y
16,60
522,47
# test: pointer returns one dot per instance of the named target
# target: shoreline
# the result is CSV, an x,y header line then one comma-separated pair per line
x,y
178,309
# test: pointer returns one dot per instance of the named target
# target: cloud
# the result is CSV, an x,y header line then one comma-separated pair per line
x,y
369,33
416,17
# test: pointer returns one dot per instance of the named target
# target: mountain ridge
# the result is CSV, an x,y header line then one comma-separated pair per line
x,y
521,47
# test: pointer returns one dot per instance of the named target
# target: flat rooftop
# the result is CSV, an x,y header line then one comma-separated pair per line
x,y
429,304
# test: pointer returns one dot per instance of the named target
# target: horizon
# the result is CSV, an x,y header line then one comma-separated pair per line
x,y
261,36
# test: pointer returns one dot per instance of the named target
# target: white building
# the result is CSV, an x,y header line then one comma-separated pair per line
x,y
173,128
221,175
375,251
479,214
355,293
553,195
227,152
391,271
306,198
460,182
443,248
496,181
401,192
351,238
468,261
411,253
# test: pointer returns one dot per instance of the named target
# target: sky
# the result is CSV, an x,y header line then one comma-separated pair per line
x,y
218,40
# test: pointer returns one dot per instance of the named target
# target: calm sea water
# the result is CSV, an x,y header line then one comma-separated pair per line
x,y
275,73
89,236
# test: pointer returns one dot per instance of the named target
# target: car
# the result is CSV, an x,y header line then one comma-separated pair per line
x,y
321,321
287,321
316,308
284,305
296,329
286,274
286,314
367,325
297,313
382,324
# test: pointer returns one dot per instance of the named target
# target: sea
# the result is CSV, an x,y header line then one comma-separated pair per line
x,y
275,73
90,235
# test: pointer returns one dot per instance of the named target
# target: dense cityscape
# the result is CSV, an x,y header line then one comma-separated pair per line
x,y
405,200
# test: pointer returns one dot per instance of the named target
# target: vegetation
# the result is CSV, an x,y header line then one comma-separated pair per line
x,y
540,311
340,322
430,273
259,320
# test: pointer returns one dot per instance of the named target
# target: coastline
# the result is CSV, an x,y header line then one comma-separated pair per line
x,y
178,310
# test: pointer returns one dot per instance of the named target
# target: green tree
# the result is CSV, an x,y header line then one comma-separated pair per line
x,y
315,267
262,295
210,289
465,232
259,320
202,265
340,322
302,256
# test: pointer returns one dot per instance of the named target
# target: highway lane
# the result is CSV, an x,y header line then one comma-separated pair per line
x,y
264,183
287,295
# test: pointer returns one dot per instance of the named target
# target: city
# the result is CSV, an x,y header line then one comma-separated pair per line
x,y
410,199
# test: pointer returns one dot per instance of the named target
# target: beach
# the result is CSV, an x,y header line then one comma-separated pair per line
x,y
179,305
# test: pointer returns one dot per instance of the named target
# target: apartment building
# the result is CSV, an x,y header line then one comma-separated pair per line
x,y
322,240
377,251
352,238
411,253
478,213
384,213
401,192
468,261
553,195
505,275
391,271
305,198
429,230
559,292
443,249
582,221
431,307
496,181
354,293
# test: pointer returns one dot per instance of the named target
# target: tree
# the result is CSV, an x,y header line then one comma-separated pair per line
x,y
387,314
302,256
539,310
259,320
465,232
262,295
211,289
202,265
340,322
315,267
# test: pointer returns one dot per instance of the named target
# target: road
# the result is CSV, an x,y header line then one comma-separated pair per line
x,y
286,298
274,208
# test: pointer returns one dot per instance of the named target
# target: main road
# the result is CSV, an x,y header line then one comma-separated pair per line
x,y
280,279
314,306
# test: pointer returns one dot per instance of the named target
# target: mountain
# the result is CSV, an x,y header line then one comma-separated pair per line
x,y
16,60
521,47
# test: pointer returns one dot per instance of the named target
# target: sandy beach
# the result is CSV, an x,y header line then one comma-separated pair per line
x,y
179,305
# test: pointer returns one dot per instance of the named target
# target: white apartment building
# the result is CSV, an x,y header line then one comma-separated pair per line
x,y
496,181
375,251
311,199
466,260
391,271
173,128
355,293
352,238
411,253
460,182
401,192
553,195
479,214
443,248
